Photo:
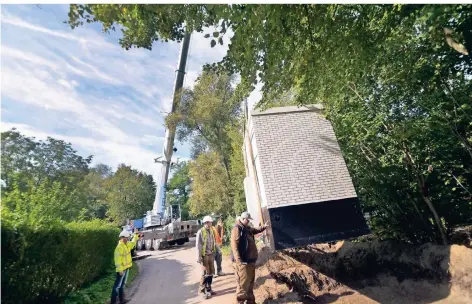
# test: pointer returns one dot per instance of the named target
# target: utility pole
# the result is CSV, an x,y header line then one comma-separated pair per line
x,y
160,201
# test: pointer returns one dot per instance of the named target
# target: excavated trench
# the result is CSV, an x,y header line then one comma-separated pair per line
x,y
370,272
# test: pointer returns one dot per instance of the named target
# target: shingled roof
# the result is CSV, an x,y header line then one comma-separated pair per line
x,y
300,159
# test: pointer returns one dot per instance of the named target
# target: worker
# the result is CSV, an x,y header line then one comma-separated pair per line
x,y
206,250
244,256
123,263
219,234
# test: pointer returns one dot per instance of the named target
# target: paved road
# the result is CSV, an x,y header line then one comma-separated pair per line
x,y
171,277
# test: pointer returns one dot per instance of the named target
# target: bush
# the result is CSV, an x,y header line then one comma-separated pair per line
x,y
43,263
228,223
99,291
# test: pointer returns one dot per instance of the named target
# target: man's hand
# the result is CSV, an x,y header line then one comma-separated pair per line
x,y
121,273
266,225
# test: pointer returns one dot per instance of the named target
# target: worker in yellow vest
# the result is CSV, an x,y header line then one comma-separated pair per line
x,y
123,263
219,234
206,250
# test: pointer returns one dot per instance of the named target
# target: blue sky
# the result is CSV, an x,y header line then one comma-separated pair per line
x,y
81,87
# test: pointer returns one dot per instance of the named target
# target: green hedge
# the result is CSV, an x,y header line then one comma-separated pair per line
x,y
42,265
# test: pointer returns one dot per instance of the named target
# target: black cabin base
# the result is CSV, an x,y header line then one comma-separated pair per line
x,y
300,225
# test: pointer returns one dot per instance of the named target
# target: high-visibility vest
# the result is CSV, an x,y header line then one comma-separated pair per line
x,y
122,255
205,239
218,237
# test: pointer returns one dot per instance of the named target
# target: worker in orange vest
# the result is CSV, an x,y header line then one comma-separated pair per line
x,y
219,231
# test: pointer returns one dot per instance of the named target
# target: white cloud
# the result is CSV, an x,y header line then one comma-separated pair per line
x,y
108,152
111,101
20,55
9,19
151,139
96,72
37,87
68,84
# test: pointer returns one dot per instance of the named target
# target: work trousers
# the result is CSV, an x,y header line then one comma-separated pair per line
x,y
208,262
245,275
119,286
218,260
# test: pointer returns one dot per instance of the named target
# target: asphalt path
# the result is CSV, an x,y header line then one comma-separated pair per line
x,y
171,276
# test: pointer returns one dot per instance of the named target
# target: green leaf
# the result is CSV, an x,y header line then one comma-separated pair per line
x,y
213,43
216,34
207,36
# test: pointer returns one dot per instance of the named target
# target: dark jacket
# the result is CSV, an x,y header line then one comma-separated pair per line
x,y
243,245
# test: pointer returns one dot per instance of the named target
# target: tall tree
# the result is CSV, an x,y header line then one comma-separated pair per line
x,y
94,188
205,113
395,80
130,194
52,160
211,189
179,188
238,170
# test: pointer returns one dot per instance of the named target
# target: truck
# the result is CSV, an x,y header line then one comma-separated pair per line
x,y
297,180
161,230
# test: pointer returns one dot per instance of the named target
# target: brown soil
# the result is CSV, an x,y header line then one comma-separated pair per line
x,y
368,272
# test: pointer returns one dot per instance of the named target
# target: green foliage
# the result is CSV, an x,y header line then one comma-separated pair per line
x,y
94,189
99,290
210,185
178,188
395,80
43,263
52,242
229,223
226,250
237,168
52,159
205,112
44,203
48,181
130,194
208,117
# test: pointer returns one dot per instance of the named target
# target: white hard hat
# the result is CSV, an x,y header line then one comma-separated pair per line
x,y
125,233
207,219
246,215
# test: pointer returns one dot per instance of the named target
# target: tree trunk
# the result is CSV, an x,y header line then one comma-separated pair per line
x,y
226,165
422,189
436,219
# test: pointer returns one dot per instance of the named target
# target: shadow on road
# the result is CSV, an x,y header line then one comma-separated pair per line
x,y
229,290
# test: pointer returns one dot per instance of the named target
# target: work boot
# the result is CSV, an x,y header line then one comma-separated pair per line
x,y
123,299
206,295
212,292
220,273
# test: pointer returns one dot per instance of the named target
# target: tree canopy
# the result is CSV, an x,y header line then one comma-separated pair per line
x,y
395,81
47,181
179,188
208,116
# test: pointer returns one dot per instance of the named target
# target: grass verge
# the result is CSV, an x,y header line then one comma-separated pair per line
x,y
99,291
226,250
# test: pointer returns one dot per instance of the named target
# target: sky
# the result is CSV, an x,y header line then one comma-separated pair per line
x,y
80,86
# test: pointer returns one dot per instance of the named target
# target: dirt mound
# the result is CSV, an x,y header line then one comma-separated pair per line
x,y
369,272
